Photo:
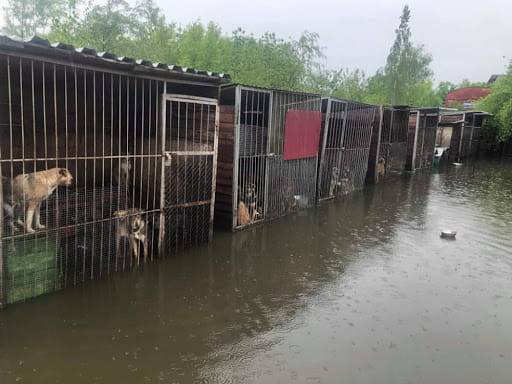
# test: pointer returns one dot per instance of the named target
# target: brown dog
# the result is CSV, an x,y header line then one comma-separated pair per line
x,y
29,190
247,206
244,217
132,226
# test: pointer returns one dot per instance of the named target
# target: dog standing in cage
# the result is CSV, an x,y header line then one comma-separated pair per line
x,y
132,226
248,210
27,191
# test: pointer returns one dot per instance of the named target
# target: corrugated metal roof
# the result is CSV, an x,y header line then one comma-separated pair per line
x,y
466,94
42,47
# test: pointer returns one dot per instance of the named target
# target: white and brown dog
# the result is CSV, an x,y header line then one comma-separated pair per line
x,y
29,190
130,224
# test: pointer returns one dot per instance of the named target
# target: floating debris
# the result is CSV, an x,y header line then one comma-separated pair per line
x,y
447,234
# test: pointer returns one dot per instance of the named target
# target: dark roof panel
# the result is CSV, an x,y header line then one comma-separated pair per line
x,y
45,48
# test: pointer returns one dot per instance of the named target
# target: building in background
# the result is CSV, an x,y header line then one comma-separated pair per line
x,y
494,77
465,97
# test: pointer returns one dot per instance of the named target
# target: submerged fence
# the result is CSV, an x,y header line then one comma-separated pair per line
x,y
344,147
388,152
263,171
100,171
421,138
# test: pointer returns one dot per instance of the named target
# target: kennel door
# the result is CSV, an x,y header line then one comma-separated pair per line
x,y
251,153
190,134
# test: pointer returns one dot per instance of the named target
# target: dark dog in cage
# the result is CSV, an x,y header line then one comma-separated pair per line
x,y
347,183
248,210
381,168
132,226
122,175
28,190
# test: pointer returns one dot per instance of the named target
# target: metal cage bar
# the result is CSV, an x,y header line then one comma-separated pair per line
x,y
346,142
264,185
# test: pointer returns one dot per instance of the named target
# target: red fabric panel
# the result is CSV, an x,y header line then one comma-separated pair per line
x,y
301,134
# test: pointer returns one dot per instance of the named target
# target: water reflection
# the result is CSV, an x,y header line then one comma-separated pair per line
x,y
361,289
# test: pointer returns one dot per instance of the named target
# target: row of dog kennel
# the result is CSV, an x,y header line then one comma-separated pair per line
x,y
459,135
388,152
421,138
107,160
104,161
280,151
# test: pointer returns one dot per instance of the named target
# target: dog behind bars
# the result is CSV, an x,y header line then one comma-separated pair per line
x,y
27,192
248,210
132,226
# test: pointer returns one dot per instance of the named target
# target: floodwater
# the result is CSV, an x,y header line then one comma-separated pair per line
x,y
356,291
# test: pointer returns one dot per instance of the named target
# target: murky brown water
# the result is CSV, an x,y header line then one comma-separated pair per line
x,y
358,291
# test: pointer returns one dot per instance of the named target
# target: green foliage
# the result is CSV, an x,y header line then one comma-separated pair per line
x,y
343,84
141,31
499,103
25,18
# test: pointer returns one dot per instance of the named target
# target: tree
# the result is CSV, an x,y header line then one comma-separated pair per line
x,y
26,18
141,31
407,66
499,103
342,83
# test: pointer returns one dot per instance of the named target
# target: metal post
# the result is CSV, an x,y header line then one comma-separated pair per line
x,y
214,170
390,138
462,128
415,143
2,263
321,171
377,152
163,122
236,156
471,135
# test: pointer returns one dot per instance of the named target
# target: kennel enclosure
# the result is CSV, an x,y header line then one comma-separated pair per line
x,y
421,137
388,150
344,146
268,152
139,139
460,133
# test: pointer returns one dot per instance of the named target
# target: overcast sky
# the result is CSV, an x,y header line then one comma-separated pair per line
x,y
467,38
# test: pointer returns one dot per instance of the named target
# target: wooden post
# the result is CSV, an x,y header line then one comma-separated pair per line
x,y
2,262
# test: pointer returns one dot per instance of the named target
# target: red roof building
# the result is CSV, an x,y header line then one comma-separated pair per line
x,y
465,96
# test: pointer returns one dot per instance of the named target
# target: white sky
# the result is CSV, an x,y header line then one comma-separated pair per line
x,y
467,38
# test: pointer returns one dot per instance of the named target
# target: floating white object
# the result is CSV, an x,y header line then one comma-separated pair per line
x,y
446,234
457,164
